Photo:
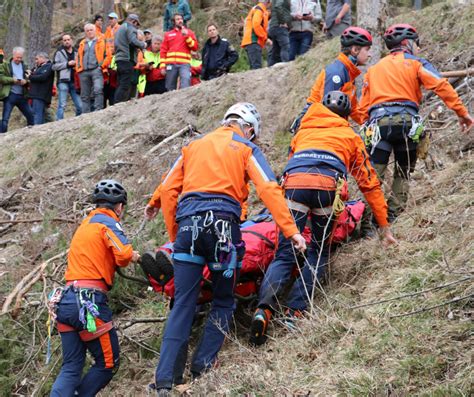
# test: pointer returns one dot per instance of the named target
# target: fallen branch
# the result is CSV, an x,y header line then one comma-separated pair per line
x,y
183,131
129,323
141,344
25,284
15,221
425,309
132,278
411,294
458,73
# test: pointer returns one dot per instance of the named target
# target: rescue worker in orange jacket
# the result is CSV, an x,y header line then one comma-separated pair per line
x,y
111,29
210,178
175,54
390,101
84,319
256,33
341,74
322,154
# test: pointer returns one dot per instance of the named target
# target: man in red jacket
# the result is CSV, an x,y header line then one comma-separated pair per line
x,y
175,54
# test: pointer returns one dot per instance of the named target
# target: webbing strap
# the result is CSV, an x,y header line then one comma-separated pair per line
x,y
102,329
322,211
182,256
293,205
269,242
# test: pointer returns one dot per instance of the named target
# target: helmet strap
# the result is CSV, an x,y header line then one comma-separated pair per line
x,y
242,124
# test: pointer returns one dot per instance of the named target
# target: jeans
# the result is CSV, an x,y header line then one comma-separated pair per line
x,y
21,103
254,54
124,76
300,43
105,350
278,276
92,86
65,88
187,278
172,73
280,51
38,107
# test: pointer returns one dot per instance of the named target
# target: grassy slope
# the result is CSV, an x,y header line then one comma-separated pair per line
x,y
337,350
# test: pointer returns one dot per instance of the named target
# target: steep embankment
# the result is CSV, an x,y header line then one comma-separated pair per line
x,y
47,172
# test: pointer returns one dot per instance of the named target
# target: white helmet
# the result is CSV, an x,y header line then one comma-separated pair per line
x,y
247,113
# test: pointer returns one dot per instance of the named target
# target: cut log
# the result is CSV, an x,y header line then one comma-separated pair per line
x,y
458,73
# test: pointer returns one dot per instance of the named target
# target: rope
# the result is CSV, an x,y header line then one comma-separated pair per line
x,y
338,205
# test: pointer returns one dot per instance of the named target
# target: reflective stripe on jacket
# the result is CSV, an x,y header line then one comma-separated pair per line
x,y
256,26
98,247
176,48
399,77
338,76
212,173
102,53
324,135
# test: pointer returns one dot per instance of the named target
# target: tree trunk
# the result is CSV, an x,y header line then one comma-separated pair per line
x,y
107,7
70,6
19,14
372,15
39,37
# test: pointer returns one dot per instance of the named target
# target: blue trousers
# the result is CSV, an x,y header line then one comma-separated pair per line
x,y
38,106
64,89
21,103
300,43
278,276
173,72
254,54
280,51
187,279
105,351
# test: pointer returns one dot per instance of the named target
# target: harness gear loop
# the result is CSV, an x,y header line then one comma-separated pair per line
x,y
194,231
338,205
54,298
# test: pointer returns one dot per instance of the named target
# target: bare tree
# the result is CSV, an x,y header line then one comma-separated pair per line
x,y
17,14
372,15
39,37
70,6
107,7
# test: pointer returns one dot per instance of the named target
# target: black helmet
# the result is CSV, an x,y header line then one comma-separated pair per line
x,y
354,35
337,102
395,34
110,191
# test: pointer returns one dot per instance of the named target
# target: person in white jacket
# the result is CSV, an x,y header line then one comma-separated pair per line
x,y
305,14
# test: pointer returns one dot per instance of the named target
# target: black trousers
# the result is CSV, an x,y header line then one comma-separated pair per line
x,y
124,75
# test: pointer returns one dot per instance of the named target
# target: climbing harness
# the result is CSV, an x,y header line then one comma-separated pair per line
x,y
53,300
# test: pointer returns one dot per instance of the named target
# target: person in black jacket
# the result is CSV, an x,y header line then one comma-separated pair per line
x,y
41,86
218,55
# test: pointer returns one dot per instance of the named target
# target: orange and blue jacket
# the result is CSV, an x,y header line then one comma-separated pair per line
x,y
212,173
398,78
338,76
176,48
326,140
98,247
110,33
103,54
256,26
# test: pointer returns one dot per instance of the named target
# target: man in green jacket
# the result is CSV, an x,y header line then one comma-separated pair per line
x,y
279,32
13,81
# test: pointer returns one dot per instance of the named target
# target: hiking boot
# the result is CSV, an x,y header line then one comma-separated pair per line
x,y
259,326
158,265
291,318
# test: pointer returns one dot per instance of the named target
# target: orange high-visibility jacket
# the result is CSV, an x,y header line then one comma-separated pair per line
x,y
256,26
338,76
176,48
399,77
322,135
102,53
97,248
212,173
110,33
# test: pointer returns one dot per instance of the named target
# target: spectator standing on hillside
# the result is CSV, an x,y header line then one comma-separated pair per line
x,y
338,17
99,25
41,86
112,29
153,78
172,8
279,32
93,56
126,46
218,55
175,54
13,79
148,37
256,34
64,63
305,13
